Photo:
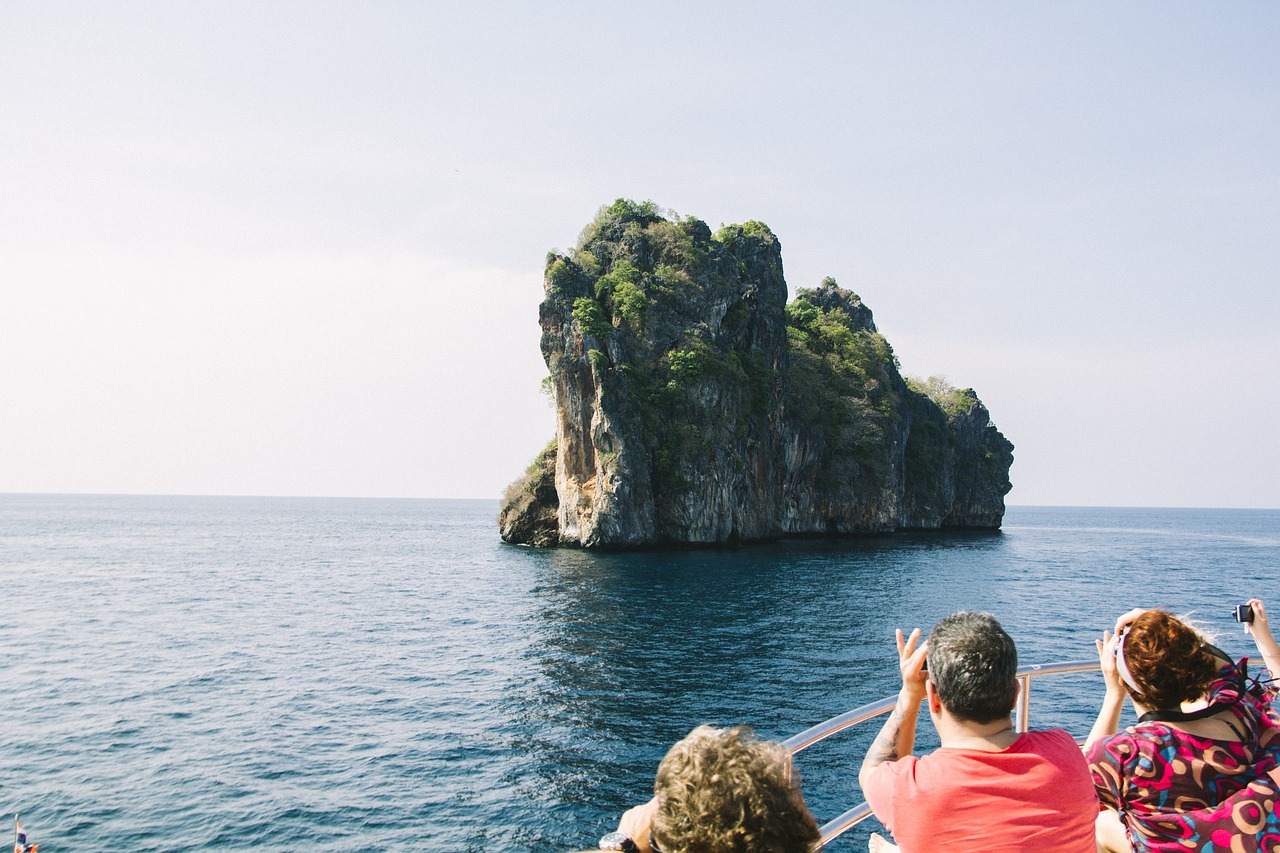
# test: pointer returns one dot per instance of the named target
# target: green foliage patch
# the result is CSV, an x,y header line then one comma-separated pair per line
x,y
856,361
624,291
536,465
953,401
559,273
590,317
843,386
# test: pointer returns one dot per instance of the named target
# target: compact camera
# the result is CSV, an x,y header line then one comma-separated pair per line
x,y
1244,613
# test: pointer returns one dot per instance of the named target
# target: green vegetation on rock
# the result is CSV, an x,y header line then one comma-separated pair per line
x,y
844,389
950,399
591,317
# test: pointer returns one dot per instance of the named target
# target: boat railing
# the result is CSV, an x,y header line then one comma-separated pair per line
x,y
1022,720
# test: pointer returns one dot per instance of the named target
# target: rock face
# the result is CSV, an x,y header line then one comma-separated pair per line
x,y
695,407
529,508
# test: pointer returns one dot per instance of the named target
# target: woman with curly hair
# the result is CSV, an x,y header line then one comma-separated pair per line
x,y
721,791
1201,769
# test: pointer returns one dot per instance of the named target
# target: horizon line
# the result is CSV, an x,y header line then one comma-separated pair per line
x,y
6,493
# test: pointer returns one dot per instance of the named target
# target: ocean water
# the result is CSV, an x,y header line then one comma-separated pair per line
x,y
185,673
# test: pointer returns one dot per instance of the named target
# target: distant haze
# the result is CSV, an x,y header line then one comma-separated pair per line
x,y
297,248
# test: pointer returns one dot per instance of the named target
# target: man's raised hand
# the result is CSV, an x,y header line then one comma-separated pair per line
x,y
911,663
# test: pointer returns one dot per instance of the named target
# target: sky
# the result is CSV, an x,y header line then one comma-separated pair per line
x,y
272,248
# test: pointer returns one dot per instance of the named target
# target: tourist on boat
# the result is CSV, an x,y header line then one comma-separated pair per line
x,y
988,787
721,791
1199,771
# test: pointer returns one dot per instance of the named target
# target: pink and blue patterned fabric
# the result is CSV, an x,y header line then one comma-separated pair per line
x,y
1179,792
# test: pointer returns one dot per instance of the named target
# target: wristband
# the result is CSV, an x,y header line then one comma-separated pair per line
x,y
618,841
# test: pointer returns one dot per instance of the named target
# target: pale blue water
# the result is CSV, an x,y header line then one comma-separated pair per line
x,y
291,674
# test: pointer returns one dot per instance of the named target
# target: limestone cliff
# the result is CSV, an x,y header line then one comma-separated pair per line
x,y
694,406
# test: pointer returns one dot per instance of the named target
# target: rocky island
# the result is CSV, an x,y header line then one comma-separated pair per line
x,y
694,406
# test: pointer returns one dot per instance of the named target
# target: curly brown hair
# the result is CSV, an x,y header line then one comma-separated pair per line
x,y
1168,660
724,791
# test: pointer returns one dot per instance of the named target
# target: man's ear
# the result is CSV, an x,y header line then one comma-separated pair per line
x,y
931,694
1017,692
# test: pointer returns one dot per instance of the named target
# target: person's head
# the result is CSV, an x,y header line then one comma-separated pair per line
x,y
973,667
1167,660
724,791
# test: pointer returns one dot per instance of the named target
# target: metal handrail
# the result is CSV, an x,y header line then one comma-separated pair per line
x,y
856,815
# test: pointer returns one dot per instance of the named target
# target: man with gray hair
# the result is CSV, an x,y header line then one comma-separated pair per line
x,y
988,787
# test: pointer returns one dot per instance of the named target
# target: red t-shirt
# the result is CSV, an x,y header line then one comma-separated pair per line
x,y
1035,795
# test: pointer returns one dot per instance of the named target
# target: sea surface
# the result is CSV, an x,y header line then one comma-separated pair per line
x,y
201,673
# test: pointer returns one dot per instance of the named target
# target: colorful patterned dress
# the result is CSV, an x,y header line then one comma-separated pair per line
x,y
1179,792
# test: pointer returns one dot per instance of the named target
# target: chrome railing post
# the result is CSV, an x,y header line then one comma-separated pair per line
x,y
1023,713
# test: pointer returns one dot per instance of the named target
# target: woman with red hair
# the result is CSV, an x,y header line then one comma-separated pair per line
x,y
1201,769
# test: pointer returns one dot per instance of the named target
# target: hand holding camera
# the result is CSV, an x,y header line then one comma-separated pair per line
x,y
1253,614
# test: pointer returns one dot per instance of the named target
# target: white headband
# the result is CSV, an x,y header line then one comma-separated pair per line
x,y
1125,675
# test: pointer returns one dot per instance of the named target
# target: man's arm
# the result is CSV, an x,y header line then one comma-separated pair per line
x,y
897,738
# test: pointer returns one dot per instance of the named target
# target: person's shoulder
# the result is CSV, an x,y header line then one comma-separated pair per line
x,y
1059,768
1056,737
1056,745
1049,733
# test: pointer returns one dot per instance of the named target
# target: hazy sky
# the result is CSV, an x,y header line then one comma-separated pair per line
x,y
297,248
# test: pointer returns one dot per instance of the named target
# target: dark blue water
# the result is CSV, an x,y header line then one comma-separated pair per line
x,y
290,674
